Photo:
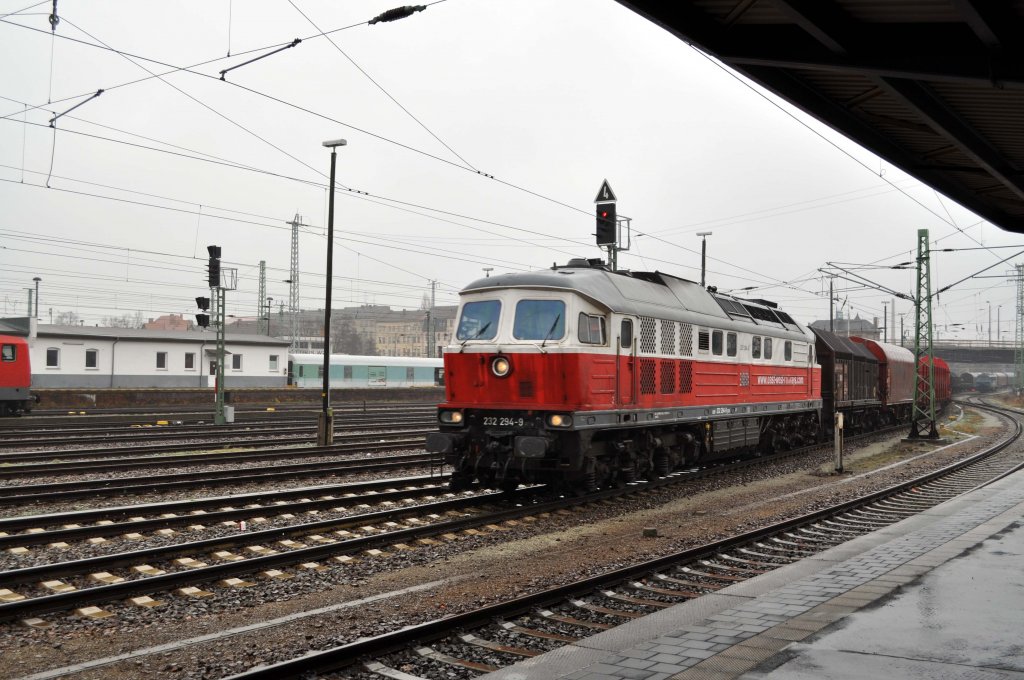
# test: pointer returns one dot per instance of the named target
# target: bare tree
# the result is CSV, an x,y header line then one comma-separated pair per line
x,y
124,321
67,319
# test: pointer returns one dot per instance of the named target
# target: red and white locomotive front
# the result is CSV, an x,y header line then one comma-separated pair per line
x,y
580,376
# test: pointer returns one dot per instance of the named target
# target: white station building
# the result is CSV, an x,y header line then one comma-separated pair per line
x,y
84,357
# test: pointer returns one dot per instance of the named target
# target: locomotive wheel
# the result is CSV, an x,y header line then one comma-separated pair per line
x,y
661,463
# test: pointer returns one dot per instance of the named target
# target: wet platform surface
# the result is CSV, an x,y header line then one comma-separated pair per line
x,y
938,595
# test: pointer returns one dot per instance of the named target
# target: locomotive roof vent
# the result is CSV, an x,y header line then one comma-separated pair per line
x,y
582,263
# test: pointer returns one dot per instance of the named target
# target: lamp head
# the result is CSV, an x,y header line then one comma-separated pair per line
x,y
331,143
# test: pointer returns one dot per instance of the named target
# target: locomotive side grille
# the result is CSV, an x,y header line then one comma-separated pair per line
x,y
685,340
668,376
647,376
668,337
647,336
525,388
685,377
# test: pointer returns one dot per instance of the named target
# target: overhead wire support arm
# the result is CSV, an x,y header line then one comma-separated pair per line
x,y
290,45
975,274
860,280
54,119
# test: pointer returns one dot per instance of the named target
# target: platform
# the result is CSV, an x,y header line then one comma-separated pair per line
x,y
940,594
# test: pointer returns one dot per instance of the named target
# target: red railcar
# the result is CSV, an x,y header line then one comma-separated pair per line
x,y
15,376
940,379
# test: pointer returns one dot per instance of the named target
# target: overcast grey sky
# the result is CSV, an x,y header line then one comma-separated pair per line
x,y
480,132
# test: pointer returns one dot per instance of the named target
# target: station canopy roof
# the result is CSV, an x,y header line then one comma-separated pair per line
x,y
935,87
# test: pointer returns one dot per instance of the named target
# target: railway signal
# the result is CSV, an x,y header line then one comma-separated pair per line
x,y
606,224
213,267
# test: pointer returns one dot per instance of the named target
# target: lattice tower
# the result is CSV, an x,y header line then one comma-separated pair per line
x,y
262,319
1018,338
923,419
293,287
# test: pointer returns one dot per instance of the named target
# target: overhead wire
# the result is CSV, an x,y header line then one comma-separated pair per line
x,y
381,87
828,141
443,160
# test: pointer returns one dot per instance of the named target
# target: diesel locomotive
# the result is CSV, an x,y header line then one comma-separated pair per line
x,y
580,377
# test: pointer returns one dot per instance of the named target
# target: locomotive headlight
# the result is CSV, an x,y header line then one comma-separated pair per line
x,y
559,420
450,417
501,366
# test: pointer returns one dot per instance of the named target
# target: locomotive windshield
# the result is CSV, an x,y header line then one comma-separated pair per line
x,y
479,320
539,320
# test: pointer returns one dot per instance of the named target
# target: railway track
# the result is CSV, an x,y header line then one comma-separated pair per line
x,y
500,634
191,414
77,462
296,545
280,430
120,486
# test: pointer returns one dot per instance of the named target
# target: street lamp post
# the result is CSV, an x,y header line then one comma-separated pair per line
x,y
703,254
885,321
37,280
325,427
989,322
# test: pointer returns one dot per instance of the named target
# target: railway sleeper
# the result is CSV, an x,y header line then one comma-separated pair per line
x,y
541,634
471,639
808,540
789,548
847,518
656,604
598,609
389,672
689,584
669,592
434,655
767,565
732,569
562,618
715,577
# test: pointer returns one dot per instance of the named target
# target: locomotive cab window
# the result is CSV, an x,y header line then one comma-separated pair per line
x,y
716,343
788,350
767,348
755,347
542,320
9,353
626,334
730,344
591,329
479,320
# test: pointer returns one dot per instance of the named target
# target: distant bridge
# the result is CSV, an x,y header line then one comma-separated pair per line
x,y
976,355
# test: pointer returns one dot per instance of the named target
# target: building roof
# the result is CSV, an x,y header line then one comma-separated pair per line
x,y
145,335
845,325
935,87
